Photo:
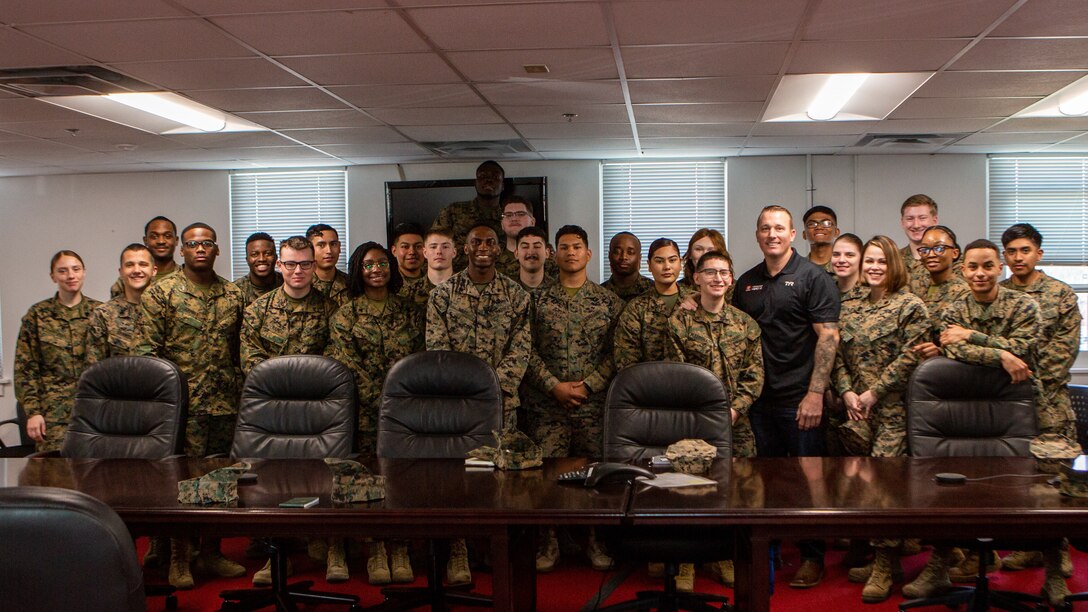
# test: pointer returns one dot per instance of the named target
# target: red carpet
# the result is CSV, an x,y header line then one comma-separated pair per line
x,y
573,585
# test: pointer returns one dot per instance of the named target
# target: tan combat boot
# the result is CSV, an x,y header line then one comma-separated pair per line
x,y
968,570
934,577
685,580
158,552
336,566
1054,588
401,564
598,555
548,553
263,576
1021,559
1067,561
457,570
377,566
180,576
879,586
723,571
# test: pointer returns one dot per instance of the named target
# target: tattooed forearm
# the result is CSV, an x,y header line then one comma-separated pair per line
x,y
825,356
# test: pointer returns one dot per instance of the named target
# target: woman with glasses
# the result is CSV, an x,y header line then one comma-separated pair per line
x,y
373,330
872,367
940,255
50,352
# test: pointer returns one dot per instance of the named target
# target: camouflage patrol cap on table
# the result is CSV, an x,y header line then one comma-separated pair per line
x,y
216,487
856,437
691,456
513,450
1052,450
352,482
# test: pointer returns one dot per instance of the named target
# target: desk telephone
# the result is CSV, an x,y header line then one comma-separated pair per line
x,y
596,474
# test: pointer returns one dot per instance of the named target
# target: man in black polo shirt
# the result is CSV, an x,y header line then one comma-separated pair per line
x,y
796,304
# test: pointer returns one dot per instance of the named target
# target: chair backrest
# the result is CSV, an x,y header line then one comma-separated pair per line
x,y
654,404
65,550
958,409
438,404
128,407
13,430
296,407
1078,396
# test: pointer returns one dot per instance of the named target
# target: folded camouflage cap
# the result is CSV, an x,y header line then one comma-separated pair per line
x,y
691,456
216,487
513,450
1052,450
352,482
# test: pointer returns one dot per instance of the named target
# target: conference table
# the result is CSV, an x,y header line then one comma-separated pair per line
x,y
764,499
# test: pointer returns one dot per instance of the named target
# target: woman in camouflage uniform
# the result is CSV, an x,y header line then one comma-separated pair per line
x,y
702,241
640,333
846,436
872,367
50,352
940,255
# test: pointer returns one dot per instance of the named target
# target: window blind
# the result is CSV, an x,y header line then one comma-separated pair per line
x,y
1050,193
284,204
660,199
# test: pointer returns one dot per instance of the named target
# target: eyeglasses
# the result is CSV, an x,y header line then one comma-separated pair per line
x,y
192,244
291,265
369,266
936,250
715,272
820,223
518,214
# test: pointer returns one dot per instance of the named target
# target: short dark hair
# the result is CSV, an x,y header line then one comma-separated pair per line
x,y
317,228
516,199
572,229
918,199
532,230
255,236
492,163
356,286
298,243
623,233
147,226
661,243
1022,230
199,225
819,209
709,255
484,223
135,246
982,243
402,229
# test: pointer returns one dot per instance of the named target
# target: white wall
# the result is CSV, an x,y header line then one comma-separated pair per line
x,y
96,215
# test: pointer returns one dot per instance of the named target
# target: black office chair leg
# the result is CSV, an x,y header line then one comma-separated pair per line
x,y
434,594
284,596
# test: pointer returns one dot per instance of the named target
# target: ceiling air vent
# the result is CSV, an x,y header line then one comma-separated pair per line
x,y
478,148
907,142
67,81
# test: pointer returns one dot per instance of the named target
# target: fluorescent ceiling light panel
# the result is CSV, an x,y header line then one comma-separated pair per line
x,y
1069,101
841,97
158,113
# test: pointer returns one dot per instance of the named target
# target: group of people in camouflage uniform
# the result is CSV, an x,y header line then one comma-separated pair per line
x,y
815,352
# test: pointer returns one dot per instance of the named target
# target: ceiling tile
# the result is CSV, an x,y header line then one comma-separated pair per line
x,y
898,150
939,126
758,152
802,141
231,140
812,128
563,64
951,84
575,130
1026,54
591,113
734,89
533,92
362,31
88,129
693,130
430,133
18,50
1044,124
375,149
902,19
1017,138
692,143
275,99
359,135
310,119
373,69
673,61
271,153
133,41
408,96
240,73
50,152
525,26
18,110
984,149
235,7
706,21
874,56
99,10
950,108
1046,18
464,115
573,144
111,168
697,113
592,154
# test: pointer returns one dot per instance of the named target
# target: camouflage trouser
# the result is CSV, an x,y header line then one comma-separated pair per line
x,y
566,433
366,444
207,434
744,441
1054,412
54,436
890,435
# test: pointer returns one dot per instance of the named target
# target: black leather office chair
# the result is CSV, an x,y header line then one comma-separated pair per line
x,y
650,406
50,539
293,407
1078,396
128,407
437,405
14,429
957,409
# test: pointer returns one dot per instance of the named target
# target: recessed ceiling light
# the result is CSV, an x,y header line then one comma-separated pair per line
x,y
834,95
158,113
536,68
841,97
1069,101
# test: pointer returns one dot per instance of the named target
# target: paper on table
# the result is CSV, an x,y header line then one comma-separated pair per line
x,y
676,480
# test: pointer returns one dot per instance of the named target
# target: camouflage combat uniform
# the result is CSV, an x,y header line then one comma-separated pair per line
x,y
117,289
459,218
642,332
335,290
728,344
920,279
369,337
113,329
572,341
630,292
251,292
49,357
1055,351
490,322
939,297
875,354
415,292
278,324
197,328
846,437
